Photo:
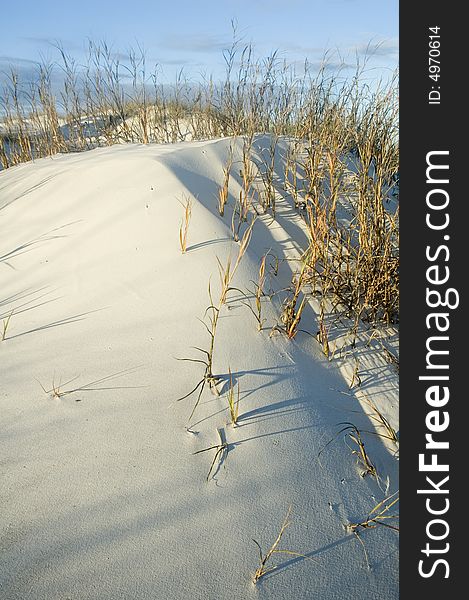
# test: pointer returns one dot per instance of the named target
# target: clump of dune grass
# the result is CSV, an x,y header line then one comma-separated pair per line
x,y
184,227
354,261
263,568
293,307
291,315
363,458
225,274
245,201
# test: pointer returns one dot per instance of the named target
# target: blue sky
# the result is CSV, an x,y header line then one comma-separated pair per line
x,y
193,34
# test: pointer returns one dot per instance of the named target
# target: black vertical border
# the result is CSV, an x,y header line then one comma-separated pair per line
x,y
424,128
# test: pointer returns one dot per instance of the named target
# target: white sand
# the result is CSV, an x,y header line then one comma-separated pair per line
x,y
102,496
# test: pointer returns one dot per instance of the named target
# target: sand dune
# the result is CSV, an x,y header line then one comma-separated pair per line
x,y
103,496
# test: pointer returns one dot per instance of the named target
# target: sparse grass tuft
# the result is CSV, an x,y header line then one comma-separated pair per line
x,y
258,295
57,390
208,376
363,458
263,569
379,515
220,454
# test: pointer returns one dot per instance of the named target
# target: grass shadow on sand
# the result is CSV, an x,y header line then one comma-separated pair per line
x,y
58,323
31,244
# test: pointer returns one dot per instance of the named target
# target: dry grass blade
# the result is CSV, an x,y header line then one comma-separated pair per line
x,y
260,293
244,243
291,315
356,379
369,468
184,228
227,273
292,324
223,197
233,403
323,334
5,325
223,190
